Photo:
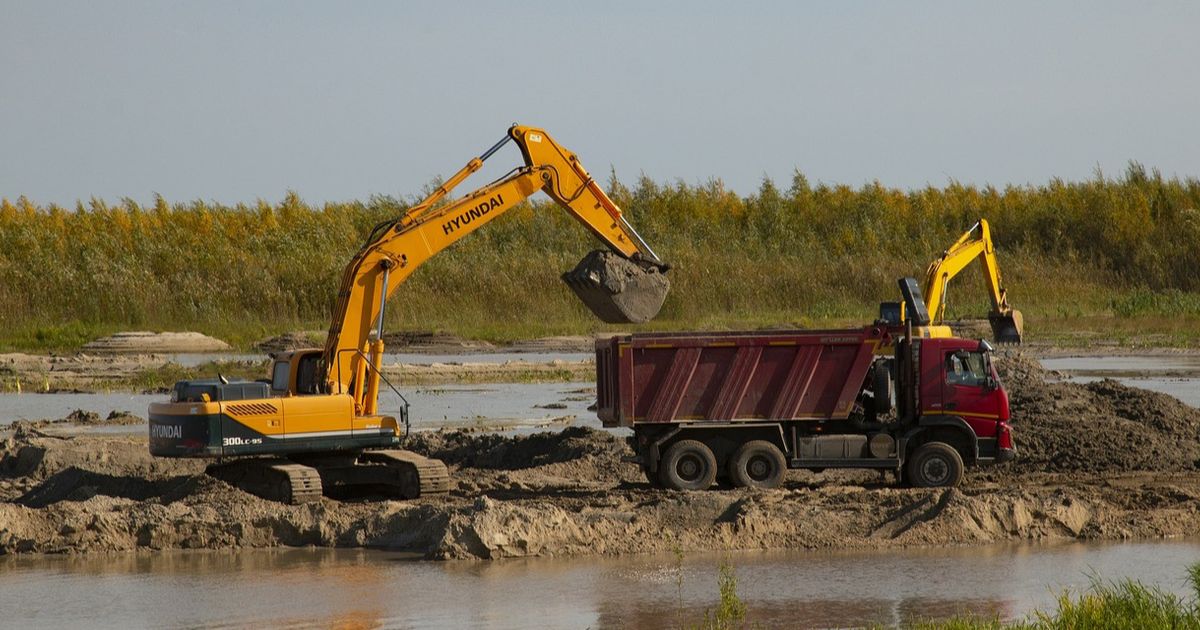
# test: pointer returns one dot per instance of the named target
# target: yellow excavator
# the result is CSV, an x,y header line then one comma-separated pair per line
x,y
313,427
1007,323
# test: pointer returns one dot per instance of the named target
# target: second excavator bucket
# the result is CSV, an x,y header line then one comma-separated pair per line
x,y
618,290
1007,328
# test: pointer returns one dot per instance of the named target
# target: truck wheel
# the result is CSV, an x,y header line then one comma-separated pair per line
x,y
934,465
757,464
688,465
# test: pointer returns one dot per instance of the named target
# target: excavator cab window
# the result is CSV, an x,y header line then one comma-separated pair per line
x,y
280,375
308,374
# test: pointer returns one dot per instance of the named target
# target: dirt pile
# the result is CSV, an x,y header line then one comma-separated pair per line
x,y
79,417
567,493
618,290
433,343
1103,426
489,450
573,492
290,341
143,342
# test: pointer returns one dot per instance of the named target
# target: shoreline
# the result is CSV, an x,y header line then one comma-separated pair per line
x,y
65,488
87,494
155,373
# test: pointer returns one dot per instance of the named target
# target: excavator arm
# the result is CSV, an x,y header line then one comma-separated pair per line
x,y
397,247
975,244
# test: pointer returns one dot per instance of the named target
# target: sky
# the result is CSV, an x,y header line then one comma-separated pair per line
x,y
238,101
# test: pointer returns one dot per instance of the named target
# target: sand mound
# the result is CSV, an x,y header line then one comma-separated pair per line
x,y
1099,427
291,341
488,450
142,342
433,343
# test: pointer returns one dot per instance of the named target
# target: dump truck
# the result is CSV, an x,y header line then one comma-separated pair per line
x,y
744,407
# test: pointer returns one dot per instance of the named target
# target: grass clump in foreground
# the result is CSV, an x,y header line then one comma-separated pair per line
x,y
1124,605
1127,604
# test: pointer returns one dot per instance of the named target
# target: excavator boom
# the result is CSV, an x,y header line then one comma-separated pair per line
x,y
396,248
313,427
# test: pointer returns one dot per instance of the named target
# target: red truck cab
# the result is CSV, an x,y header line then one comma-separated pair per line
x,y
959,382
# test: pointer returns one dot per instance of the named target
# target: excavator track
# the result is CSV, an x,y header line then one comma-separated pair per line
x,y
418,476
272,479
391,473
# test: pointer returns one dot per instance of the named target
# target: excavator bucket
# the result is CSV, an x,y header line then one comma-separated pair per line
x,y
618,290
1007,328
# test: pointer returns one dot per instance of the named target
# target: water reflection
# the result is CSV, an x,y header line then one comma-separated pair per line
x,y
360,588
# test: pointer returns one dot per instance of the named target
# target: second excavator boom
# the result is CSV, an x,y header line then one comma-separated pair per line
x,y
975,244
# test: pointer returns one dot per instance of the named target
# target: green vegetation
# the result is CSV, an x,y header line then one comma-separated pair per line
x,y
1100,255
731,610
1125,605
1121,605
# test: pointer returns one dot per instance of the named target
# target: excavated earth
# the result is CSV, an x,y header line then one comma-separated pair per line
x,y
617,290
1098,461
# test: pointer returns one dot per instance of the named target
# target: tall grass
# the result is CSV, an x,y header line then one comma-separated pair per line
x,y
1124,605
1111,247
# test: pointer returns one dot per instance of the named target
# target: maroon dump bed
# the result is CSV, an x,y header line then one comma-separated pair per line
x,y
698,377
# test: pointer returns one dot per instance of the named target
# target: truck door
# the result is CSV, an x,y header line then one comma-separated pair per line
x,y
969,391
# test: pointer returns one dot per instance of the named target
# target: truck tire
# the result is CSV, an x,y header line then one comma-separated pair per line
x,y
757,464
935,465
688,465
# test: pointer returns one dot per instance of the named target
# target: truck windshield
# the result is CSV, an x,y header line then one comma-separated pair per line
x,y
966,368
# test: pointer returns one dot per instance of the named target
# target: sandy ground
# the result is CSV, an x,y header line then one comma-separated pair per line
x,y
144,342
1099,461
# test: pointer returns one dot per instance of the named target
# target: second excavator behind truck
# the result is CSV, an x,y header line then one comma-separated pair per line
x,y
314,426
1007,323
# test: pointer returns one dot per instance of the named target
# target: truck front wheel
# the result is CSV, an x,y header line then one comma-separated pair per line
x,y
757,464
935,464
688,465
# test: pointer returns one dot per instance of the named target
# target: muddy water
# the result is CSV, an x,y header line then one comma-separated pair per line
x,y
370,588
1178,376
431,406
